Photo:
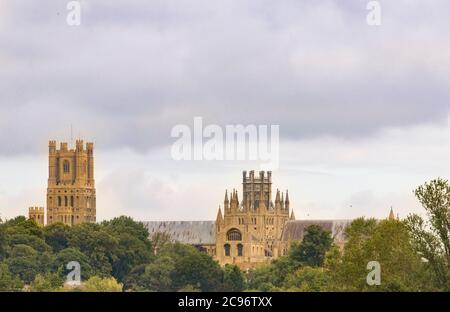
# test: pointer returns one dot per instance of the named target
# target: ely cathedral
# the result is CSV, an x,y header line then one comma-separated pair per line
x,y
249,231
250,228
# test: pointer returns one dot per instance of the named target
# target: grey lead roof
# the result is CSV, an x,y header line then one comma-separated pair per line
x,y
187,232
203,232
294,230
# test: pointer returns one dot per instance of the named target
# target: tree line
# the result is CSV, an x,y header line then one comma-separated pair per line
x,y
118,255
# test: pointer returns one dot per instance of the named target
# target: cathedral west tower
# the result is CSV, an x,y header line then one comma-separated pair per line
x,y
71,195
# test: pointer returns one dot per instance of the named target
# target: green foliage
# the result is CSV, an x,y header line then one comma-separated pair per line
x,y
99,284
387,242
188,288
307,279
7,281
33,241
312,250
47,283
97,244
233,278
24,262
33,254
192,267
118,255
133,245
157,275
72,254
57,236
3,241
272,276
431,237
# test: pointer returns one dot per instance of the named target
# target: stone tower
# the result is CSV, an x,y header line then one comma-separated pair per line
x,y
249,231
36,214
71,185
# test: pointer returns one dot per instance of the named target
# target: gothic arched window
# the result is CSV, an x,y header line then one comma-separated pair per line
x,y
227,250
66,166
240,250
234,235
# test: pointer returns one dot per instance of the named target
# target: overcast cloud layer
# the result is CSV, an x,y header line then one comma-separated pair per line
x,y
134,69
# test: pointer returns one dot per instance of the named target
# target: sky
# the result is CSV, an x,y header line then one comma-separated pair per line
x,y
363,110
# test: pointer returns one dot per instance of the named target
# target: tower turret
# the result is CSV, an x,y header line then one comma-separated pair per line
x,y
286,203
226,202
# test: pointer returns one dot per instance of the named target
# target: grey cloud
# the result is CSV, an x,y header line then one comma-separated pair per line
x,y
133,70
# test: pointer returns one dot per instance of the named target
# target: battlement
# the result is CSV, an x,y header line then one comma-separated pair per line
x,y
36,210
263,177
90,146
64,147
36,214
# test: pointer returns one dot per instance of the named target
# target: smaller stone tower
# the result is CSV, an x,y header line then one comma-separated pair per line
x,y
36,214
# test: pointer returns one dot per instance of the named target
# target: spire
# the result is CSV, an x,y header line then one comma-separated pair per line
x,y
219,215
292,215
226,202
391,215
277,198
277,201
282,200
234,203
286,203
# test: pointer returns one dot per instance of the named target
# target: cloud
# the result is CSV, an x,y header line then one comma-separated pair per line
x,y
327,178
131,72
362,110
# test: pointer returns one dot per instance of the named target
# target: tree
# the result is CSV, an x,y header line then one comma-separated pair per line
x,y
33,241
157,275
261,278
23,262
307,279
22,225
159,240
97,244
233,278
311,252
3,241
431,237
7,281
48,282
192,267
57,236
388,243
98,284
72,254
272,277
133,246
